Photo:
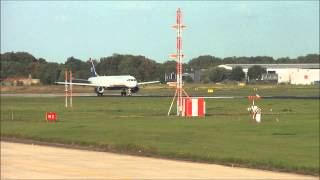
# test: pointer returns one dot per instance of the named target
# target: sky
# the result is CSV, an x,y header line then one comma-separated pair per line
x,y
61,29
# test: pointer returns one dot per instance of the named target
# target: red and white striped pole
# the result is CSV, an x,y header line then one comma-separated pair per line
x,y
70,88
66,91
178,56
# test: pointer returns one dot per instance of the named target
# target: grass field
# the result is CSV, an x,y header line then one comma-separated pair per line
x,y
235,90
286,140
192,89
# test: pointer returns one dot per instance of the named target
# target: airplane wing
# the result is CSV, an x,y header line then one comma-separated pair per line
x,y
79,84
149,82
80,80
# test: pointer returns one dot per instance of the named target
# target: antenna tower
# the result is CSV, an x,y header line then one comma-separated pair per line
x,y
178,57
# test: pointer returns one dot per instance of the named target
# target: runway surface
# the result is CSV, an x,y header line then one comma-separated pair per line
x,y
146,95
26,161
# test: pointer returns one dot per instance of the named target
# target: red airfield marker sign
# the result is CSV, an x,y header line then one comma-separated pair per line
x,y
51,116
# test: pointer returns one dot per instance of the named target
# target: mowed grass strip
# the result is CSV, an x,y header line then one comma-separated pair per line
x,y
194,89
233,89
286,140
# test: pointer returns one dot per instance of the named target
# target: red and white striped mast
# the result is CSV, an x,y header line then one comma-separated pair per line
x,y
178,57
68,88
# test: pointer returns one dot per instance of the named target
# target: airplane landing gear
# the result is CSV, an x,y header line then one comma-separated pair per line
x,y
123,92
99,91
129,92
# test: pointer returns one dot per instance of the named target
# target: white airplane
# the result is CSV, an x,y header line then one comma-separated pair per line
x,y
128,84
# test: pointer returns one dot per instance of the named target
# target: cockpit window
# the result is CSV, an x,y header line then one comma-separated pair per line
x,y
131,80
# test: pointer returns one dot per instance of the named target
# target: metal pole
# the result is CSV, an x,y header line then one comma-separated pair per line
x,y
174,97
66,88
180,26
70,89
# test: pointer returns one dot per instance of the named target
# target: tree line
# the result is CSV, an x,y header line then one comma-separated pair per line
x,y
15,64
219,74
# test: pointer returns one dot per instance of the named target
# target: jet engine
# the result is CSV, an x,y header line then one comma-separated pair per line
x,y
135,89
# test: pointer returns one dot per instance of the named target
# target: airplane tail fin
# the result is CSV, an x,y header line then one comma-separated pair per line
x,y
93,72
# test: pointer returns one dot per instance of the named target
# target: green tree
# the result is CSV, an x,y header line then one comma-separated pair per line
x,y
144,69
49,73
217,74
255,72
109,65
188,79
204,62
237,74
18,64
309,58
147,69
79,68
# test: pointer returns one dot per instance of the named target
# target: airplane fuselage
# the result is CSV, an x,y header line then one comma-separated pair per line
x,y
125,81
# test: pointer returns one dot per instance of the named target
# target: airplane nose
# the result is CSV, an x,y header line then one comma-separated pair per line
x,y
133,84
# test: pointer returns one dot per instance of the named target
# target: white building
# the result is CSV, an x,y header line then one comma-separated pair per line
x,y
287,73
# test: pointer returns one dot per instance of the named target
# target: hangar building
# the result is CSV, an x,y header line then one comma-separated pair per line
x,y
305,74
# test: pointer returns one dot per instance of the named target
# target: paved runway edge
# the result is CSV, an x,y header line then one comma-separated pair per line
x,y
62,163
108,149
